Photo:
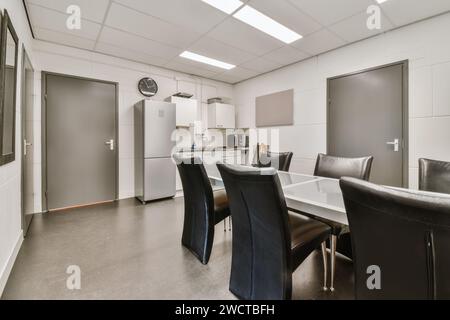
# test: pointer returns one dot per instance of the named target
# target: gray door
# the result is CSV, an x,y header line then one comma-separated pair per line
x,y
27,143
366,117
80,144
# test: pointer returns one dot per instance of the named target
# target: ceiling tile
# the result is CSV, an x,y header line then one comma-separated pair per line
x,y
63,38
129,20
190,69
155,32
235,75
240,35
212,48
402,12
227,78
239,73
355,28
128,40
129,54
287,14
56,21
90,10
327,12
318,42
286,55
191,14
260,65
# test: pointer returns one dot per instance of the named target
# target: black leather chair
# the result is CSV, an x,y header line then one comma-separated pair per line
x,y
203,208
337,167
278,160
404,234
434,176
268,242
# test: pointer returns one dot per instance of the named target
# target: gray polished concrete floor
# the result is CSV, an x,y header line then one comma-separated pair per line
x,y
130,251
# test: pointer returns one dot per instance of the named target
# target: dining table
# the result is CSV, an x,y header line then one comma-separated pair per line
x,y
316,197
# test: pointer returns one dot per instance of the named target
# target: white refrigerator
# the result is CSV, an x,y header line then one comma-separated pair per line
x,y
154,123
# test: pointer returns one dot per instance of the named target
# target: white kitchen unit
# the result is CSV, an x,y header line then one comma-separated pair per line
x,y
186,111
221,116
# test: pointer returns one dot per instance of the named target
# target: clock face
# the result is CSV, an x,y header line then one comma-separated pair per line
x,y
148,87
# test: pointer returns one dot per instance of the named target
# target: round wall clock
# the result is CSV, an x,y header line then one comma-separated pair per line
x,y
148,87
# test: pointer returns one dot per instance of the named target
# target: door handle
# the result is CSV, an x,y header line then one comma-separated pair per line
x,y
395,143
26,144
111,144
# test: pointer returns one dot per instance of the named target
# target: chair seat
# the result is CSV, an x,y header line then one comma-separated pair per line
x,y
306,236
221,208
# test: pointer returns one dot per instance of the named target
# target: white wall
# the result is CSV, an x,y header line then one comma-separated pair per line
x,y
425,44
61,59
10,174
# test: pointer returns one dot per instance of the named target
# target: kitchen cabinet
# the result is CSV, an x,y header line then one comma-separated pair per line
x,y
186,111
221,116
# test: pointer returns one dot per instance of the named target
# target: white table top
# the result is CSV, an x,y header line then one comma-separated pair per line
x,y
316,196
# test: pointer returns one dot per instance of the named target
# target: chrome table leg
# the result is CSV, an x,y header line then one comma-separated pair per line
x,y
333,260
325,265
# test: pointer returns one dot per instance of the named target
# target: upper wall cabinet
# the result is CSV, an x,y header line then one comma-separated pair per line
x,y
8,78
221,116
186,111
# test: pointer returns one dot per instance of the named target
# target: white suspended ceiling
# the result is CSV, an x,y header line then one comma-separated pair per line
x,y
156,32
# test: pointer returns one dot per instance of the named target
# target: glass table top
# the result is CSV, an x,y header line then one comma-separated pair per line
x,y
326,192
321,197
316,196
286,178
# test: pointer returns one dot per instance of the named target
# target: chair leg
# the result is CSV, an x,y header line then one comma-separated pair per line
x,y
333,260
229,223
225,225
325,265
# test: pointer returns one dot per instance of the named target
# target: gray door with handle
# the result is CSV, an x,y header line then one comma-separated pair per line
x,y
366,116
80,141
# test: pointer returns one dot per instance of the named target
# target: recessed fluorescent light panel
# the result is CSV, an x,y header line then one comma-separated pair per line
x,y
227,6
265,24
381,1
203,59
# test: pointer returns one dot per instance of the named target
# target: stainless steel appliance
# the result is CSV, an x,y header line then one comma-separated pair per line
x,y
231,141
237,140
154,123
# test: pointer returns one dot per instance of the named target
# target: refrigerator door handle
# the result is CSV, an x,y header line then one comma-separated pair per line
x,y
111,144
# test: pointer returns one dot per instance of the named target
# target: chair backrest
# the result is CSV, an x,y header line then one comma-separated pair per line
x,y
261,234
401,236
280,161
338,167
198,195
434,176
